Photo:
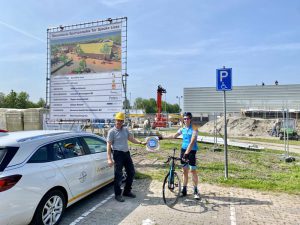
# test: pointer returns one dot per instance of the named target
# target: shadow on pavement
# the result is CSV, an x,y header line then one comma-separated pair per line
x,y
149,200
211,202
208,202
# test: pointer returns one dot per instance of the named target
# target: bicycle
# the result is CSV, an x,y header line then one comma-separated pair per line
x,y
172,184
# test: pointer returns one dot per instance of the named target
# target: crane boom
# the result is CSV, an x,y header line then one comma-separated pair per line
x,y
160,119
160,92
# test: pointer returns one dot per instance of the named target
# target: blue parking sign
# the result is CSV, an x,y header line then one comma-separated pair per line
x,y
224,79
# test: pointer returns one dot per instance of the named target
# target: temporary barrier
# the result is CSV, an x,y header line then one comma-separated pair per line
x,y
33,118
14,120
3,118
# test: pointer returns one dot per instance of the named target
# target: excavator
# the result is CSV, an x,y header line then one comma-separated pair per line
x,y
288,129
160,119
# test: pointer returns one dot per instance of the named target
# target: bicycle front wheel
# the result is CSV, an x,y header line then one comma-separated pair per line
x,y
171,189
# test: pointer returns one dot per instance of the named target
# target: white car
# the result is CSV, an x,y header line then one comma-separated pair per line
x,y
43,172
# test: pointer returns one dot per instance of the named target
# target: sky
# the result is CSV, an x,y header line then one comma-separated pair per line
x,y
175,44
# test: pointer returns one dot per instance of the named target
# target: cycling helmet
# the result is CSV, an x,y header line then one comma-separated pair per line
x,y
188,114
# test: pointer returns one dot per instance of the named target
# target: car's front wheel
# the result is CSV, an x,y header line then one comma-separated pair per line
x,y
50,209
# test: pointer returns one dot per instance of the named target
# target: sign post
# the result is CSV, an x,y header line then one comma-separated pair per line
x,y
224,83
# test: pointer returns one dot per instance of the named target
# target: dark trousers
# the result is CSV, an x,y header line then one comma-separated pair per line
x,y
123,159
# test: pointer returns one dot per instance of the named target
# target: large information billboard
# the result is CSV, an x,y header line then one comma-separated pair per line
x,y
86,72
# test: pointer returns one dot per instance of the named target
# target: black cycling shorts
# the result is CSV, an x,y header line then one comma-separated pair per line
x,y
191,157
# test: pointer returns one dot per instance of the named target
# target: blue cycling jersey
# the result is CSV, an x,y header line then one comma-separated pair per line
x,y
187,133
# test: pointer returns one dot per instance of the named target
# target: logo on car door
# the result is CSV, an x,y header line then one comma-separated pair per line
x,y
82,176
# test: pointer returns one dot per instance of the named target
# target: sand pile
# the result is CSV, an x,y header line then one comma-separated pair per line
x,y
241,126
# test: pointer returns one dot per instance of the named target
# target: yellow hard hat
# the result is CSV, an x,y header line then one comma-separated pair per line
x,y
69,145
120,116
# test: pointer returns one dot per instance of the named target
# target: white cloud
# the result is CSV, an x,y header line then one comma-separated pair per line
x,y
21,31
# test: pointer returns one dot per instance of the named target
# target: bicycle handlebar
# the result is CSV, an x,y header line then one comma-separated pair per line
x,y
186,161
168,160
175,158
171,157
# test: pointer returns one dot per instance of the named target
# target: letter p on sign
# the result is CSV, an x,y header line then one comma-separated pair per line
x,y
223,74
224,79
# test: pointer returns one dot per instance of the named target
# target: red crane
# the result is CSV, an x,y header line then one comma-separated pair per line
x,y
160,119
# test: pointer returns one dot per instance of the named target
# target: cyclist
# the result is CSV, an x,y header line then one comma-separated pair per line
x,y
189,149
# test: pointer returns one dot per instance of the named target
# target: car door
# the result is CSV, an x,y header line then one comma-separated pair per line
x,y
103,172
75,165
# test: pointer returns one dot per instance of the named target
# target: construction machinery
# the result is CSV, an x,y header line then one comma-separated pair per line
x,y
160,118
287,129
175,118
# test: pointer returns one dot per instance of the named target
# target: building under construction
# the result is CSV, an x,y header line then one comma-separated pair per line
x,y
264,101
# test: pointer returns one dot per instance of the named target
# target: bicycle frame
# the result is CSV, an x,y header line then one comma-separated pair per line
x,y
172,184
171,172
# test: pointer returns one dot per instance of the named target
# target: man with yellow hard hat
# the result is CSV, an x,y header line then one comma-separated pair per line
x,y
117,142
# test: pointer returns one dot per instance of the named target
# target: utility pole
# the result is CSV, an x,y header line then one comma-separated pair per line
x,y
224,83
225,137
179,97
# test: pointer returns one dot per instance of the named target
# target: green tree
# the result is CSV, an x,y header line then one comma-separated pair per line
x,y
54,49
63,58
11,100
2,100
172,108
78,50
138,103
150,106
82,65
41,103
116,39
105,49
22,100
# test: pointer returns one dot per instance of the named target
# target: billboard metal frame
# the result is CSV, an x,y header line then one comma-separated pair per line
x,y
108,21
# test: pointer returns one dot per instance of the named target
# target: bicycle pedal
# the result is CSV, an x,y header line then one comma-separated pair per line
x,y
171,187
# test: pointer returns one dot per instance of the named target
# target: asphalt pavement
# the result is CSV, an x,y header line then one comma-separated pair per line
x,y
218,205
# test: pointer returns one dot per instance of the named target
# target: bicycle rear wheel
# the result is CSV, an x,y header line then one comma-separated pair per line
x,y
171,189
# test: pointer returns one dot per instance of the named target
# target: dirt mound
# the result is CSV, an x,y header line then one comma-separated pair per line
x,y
241,126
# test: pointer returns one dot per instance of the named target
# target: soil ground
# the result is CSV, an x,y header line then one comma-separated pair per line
x,y
243,126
